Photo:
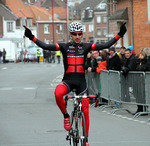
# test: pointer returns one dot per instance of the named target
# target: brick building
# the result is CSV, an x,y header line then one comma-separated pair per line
x,y
136,13
93,16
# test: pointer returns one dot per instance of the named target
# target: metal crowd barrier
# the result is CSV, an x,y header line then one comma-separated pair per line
x,y
117,88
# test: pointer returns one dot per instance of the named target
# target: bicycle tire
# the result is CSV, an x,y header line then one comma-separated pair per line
x,y
82,130
73,130
78,137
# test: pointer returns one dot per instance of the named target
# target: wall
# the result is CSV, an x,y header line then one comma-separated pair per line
x,y
49,36
141,30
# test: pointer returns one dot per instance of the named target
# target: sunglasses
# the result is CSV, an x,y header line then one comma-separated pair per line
x,y
75,34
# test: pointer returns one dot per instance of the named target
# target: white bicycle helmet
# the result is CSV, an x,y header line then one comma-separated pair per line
x,y
76,26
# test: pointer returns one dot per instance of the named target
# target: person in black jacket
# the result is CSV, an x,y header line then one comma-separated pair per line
x,y
122,56
114,62
0,56
141,65
130,62
94,64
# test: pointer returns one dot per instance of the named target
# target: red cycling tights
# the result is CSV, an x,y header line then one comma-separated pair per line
x,y
62,90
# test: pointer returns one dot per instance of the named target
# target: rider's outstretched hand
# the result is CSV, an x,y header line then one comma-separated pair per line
x,y
122,30
28,33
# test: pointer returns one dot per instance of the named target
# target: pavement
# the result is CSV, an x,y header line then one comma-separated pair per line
x,y
29,115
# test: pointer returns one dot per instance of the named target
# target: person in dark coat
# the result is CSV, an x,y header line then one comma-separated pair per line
x,y
114,62
4,55
94,64
0,56
122,56
141,65
130,62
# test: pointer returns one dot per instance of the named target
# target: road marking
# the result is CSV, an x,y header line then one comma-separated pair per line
x,y
5,88
124,117
29,88
4,68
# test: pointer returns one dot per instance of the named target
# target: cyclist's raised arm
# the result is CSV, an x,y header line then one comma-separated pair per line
x,y
51,47
112,41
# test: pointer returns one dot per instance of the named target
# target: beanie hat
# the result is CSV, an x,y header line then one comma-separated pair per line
x,y
118,46
130,47
99,58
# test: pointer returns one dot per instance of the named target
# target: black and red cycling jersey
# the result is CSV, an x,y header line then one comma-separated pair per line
x,y
74,55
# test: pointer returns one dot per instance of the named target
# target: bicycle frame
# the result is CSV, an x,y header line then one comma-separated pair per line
x,y
77,134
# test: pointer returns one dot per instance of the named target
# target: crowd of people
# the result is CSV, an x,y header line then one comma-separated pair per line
x,y
50,56
45,56
119,58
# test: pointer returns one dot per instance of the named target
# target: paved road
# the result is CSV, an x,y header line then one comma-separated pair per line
x,y
29,115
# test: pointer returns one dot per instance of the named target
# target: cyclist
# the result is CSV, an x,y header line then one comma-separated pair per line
x,y
74,56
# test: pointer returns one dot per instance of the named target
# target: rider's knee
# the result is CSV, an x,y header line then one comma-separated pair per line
x,y
60,91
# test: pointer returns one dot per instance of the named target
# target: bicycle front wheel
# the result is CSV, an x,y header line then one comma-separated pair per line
x,y
81,130
78,129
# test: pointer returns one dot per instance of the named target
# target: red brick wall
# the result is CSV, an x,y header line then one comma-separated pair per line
x,y
87,34
99,25
141,30
49,36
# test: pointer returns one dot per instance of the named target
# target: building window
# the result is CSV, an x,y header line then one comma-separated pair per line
x,y
104,31
23,22
29,22
148,6
91,27
46,28
98,18
9,26
98,32
83,14
59,28
104,19
90,13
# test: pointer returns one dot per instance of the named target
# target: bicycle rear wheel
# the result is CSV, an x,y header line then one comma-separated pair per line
x,y
78,129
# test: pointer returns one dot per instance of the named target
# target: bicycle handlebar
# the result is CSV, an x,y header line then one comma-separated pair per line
x,y
80,96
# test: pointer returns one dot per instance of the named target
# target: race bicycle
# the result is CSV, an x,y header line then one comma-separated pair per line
x,y
77,135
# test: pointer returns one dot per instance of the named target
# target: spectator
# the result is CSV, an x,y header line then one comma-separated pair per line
x,y
58,54
102,65
105,55
148,60
49,56
118,48
21,55
45,55
4,55
0,56
130,63
131,48
38,55
25,55
122,55
94,64
114,62
88,61
52,56
141,65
